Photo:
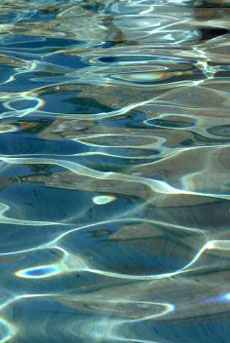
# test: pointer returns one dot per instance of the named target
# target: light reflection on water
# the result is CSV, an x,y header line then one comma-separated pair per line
x,y
114,171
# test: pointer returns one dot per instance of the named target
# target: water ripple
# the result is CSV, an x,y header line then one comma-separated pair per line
x,y
114,171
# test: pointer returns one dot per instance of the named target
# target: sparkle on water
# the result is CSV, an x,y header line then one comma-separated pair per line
x,y
114,171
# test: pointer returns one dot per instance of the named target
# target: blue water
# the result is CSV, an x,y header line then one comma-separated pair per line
x,y
114,171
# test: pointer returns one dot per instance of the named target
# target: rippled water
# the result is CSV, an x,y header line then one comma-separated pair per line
x,y
115,164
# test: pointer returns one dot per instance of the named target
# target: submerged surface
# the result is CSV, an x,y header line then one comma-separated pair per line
x,y
114,178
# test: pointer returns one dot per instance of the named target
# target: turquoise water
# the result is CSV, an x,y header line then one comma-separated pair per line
x,y
114,176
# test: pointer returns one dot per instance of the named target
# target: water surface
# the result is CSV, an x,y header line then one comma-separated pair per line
x,y
114,178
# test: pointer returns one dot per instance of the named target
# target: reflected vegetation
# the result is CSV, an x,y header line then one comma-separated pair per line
x,y
114,171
